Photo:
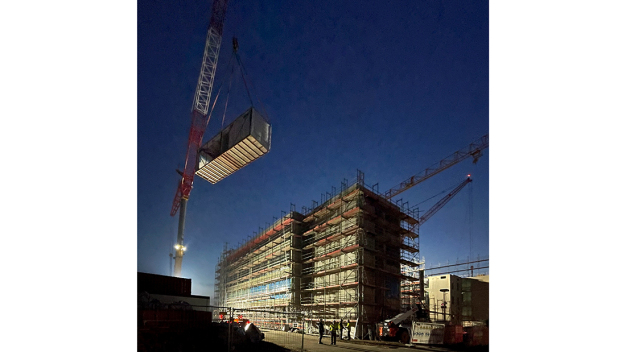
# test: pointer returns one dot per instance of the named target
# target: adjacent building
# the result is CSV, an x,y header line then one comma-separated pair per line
x,y
475,299
456,299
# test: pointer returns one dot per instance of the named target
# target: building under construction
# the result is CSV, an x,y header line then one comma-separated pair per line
x,y
346,258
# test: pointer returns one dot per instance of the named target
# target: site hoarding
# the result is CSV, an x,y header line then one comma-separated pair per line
x,y
427,333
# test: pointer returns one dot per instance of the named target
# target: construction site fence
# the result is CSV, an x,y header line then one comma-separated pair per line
x,y
224,328
216,328
282,327
292,329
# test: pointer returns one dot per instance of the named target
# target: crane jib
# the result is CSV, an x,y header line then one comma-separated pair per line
x,y
474,149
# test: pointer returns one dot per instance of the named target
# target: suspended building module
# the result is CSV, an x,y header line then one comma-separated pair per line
x,y
247,138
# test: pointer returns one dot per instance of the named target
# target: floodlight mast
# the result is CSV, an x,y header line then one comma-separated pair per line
x,y
199,121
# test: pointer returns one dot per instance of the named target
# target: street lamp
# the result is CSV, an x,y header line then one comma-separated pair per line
x,y
443,305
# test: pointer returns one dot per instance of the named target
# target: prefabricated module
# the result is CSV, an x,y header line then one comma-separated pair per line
x,y
247,138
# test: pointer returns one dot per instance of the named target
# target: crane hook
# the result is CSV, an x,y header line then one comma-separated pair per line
x,y
235,45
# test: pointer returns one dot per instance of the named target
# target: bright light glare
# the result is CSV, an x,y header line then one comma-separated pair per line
x,y
177,247
246,328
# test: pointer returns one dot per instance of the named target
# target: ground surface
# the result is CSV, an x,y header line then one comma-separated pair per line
x,y
294,342
155,340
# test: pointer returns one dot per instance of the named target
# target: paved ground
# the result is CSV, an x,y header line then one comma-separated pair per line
x,y
293,342
154,340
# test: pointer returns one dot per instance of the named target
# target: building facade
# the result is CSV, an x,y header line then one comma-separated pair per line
x,y
341,259
462,299
476,299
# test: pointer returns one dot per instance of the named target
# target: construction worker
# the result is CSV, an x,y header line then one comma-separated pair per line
x,y
320,326
333,333
348,328
341,329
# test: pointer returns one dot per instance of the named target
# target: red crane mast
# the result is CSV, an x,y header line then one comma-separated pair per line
x,y
199,122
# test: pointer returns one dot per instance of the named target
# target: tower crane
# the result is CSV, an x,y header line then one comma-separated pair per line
x,y
443,201
394,327
199,122
474,150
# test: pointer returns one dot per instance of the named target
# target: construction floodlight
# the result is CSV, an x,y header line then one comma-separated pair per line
x,y
246,139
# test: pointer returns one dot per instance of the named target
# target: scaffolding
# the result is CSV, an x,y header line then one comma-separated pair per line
x,y
220,276
343,258
330,252
264,272
412,268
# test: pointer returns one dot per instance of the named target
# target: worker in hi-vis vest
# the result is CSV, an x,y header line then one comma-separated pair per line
x,y
333,333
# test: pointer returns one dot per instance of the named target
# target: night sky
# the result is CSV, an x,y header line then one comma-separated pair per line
x,y
389,88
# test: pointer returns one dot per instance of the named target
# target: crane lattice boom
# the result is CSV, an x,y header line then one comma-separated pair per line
x,y
209,60
435,208
201,100
474,149
199,122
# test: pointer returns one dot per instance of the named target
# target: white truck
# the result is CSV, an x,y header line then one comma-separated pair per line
x,y
398,328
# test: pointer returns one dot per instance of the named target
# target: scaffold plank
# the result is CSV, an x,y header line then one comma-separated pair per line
x,y
331,287
331,271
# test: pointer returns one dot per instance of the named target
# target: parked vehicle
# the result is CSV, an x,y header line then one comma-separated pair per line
x,y
398,328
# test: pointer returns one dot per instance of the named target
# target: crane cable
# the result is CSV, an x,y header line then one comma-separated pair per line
x,y
436,195
219,90
245,83
230,78
244,73
471,217
230,83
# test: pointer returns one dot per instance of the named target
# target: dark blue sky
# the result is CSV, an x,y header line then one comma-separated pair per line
x,y
387,88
